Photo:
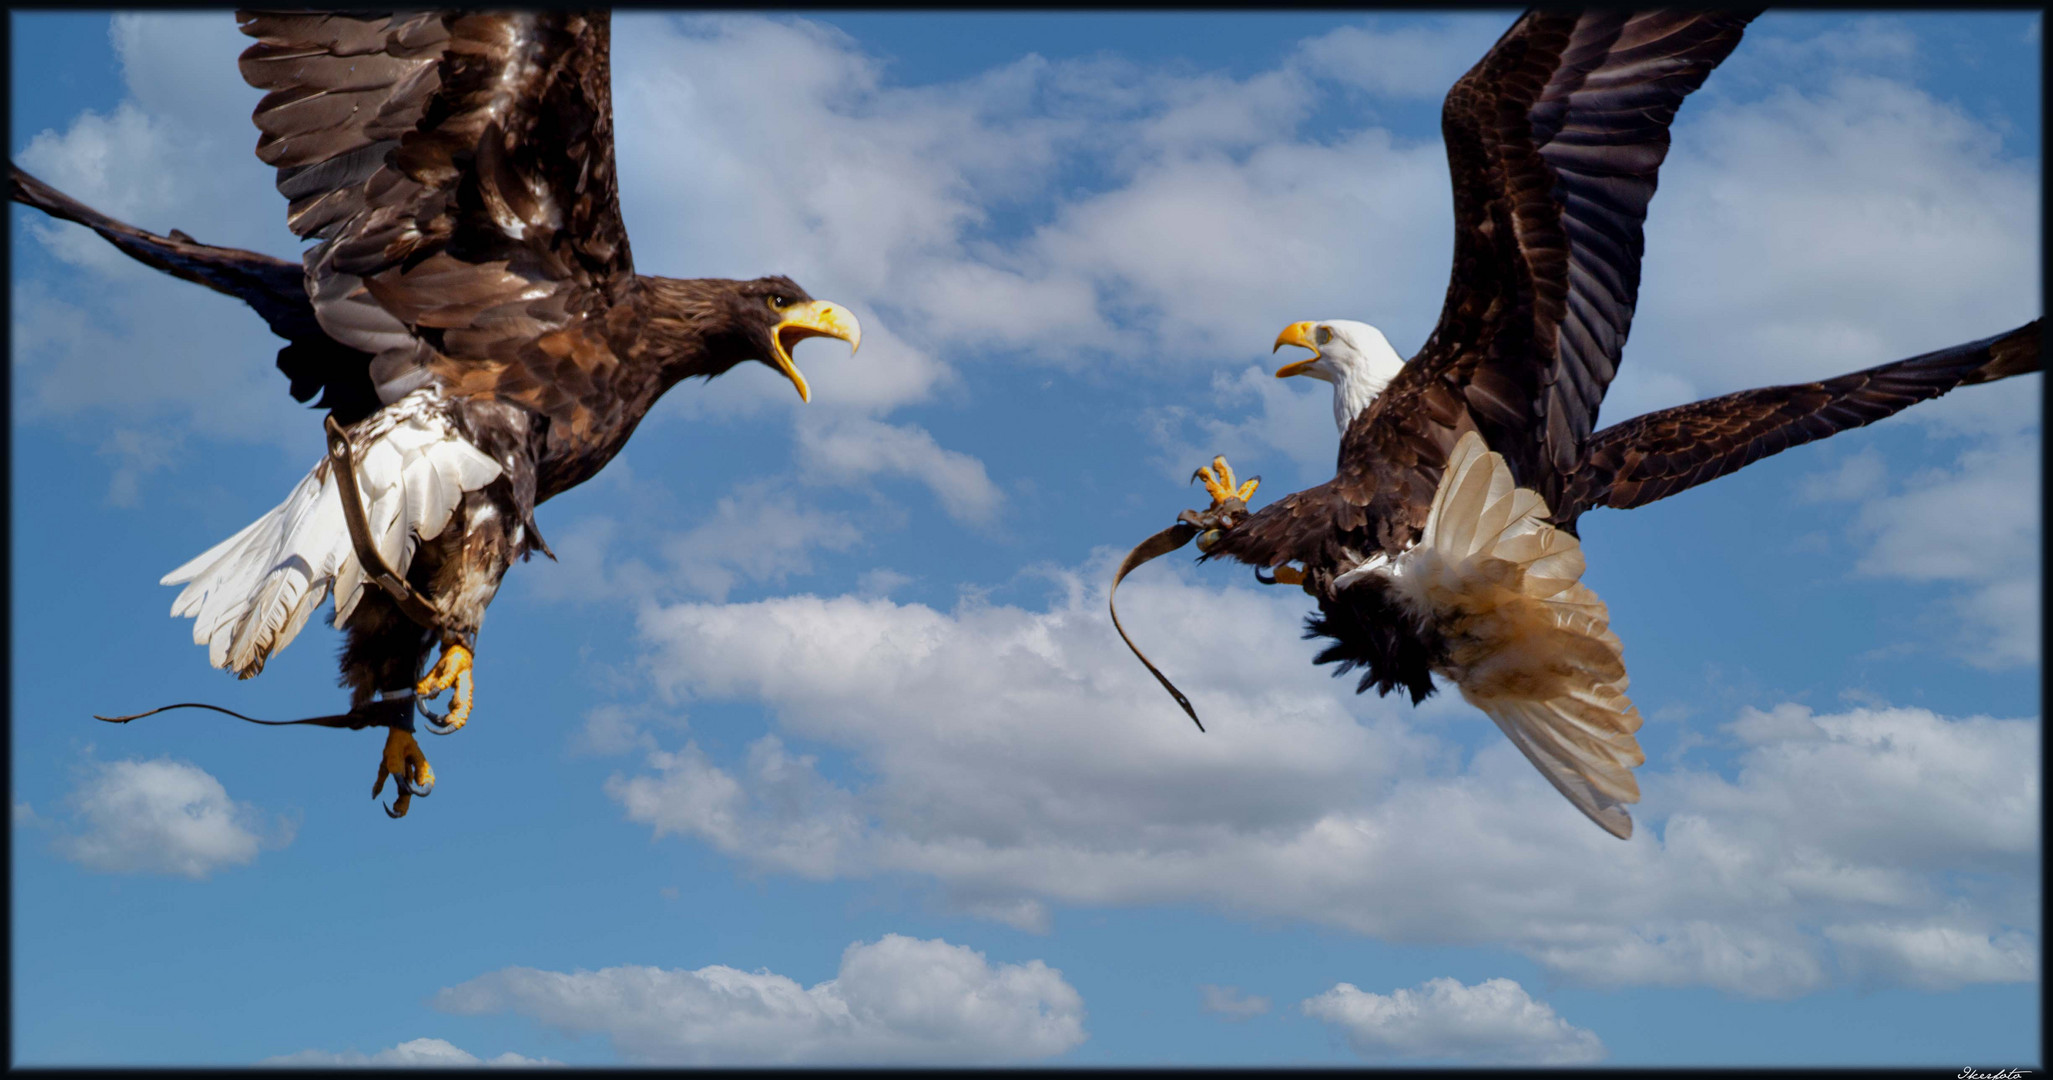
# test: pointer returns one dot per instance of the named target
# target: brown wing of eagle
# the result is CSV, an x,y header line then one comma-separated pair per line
x,y
1654,456
469,312
1428,551
1554,142
1445,544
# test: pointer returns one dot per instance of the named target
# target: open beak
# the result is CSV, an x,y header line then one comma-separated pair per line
x,y
1297,333
814,318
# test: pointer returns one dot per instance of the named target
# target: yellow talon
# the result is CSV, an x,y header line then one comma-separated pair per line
x,y
452,670
1221,484
404,762
1289,575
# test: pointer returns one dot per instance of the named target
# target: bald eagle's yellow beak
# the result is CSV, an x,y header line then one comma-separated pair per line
x,y
1297,333
813,318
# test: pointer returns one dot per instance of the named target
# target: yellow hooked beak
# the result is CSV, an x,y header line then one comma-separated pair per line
x,y
813,318
1297,333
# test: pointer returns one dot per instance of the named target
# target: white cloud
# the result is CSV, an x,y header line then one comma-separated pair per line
x,y
1405,62
785,816
1014,754
1229,1002
1975,524
428,1053
1803,235
611,729
855,448
1935,956
133,341
139,453
163,817
899,1000
1494,1021
755,533
1970,524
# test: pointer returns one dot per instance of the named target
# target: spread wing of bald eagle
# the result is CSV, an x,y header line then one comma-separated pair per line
x,y
470,316
1447,542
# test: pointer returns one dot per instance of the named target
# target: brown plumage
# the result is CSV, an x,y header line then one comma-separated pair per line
x,y
470,313
1554,142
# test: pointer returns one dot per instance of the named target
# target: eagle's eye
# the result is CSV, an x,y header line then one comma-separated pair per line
x,y
1323,335
779,302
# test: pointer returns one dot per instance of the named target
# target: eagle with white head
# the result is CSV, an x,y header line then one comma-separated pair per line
x,y
1446,542
1354,356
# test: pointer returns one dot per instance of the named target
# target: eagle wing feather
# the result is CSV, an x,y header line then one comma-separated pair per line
x,y
457,169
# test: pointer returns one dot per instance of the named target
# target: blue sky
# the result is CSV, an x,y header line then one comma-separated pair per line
x,y
815,746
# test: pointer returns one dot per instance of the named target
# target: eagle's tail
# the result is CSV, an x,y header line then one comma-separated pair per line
x,y
1526,642
250,594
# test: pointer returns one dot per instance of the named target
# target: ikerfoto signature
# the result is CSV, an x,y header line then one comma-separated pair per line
x,y
1972,1073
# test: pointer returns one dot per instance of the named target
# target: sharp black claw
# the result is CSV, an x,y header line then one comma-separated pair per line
x,y
433,717
1270,580
412,788
436,728
391,813
1196,476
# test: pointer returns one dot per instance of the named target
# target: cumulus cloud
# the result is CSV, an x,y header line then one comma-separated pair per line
x,y
134,341
1494,1022
1418,61
855,448
1020,754
163,817
898,1000
1229,1002
1935,956
1974,524
757,532
1806,234
428,1053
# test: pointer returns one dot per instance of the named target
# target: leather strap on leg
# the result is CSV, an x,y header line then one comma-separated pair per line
x,y
343,460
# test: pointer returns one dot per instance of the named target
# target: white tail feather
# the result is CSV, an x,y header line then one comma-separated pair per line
x,y
250,594
1527,642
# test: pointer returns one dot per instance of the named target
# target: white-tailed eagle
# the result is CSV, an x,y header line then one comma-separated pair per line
x,y
470,316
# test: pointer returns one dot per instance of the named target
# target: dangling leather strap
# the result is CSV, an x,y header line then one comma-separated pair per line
x,y
392,712
1156,546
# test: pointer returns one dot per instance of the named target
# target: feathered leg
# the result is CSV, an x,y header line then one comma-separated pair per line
x,y
463,584
382,655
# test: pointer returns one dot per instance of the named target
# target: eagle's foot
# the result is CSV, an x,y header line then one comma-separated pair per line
x,y
1221,485
1229,502
452,670
408,767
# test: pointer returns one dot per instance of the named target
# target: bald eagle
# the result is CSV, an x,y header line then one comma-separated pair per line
x,y
1447,542
470,317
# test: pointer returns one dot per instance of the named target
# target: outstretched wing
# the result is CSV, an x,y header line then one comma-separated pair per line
x,y
1554,143
1654,456
457,168
273,288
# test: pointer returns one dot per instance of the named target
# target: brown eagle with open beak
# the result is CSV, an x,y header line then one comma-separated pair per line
x,y
469,315
1446,543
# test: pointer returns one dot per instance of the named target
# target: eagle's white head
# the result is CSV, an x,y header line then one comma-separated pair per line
x,y
1353,356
